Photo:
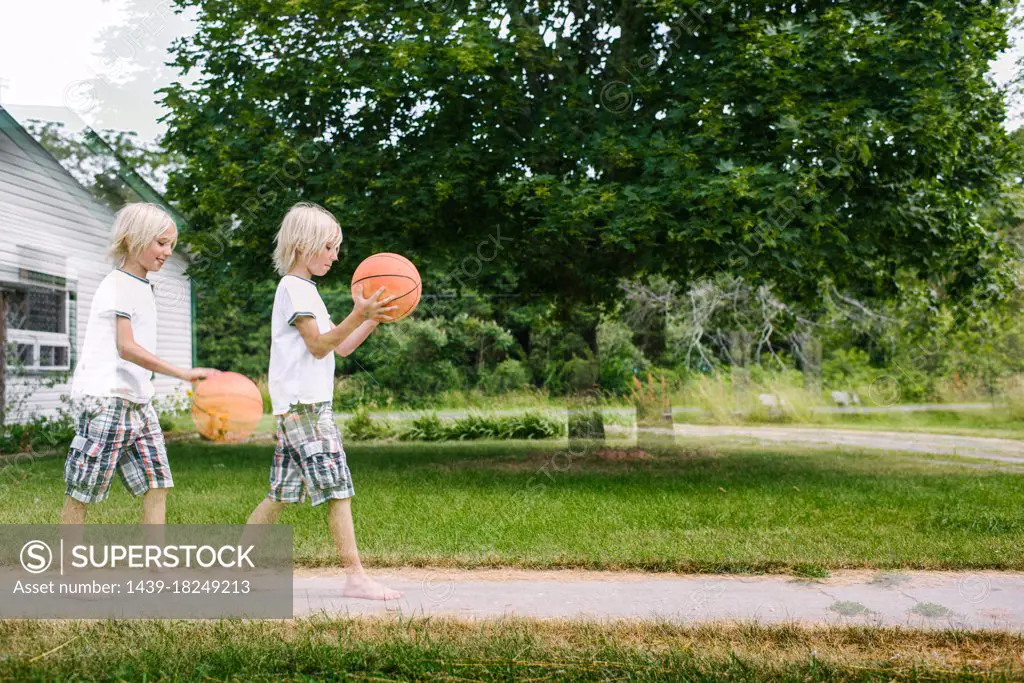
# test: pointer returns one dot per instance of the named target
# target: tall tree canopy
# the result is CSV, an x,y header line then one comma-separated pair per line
x,y
850,141
98,171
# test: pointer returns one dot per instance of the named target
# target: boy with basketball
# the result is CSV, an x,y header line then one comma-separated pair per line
x,y
117,426
309,460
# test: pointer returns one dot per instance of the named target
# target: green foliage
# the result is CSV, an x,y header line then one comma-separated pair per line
x,y
37,434
528,425
851,140
356,391
411,360
362,427
426,428
97,171
848,369
166,422
508,375
264,387
476,343
620,359
587,424
232,318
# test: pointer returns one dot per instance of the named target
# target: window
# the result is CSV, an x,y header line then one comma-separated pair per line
x,y
24,354
38,320
37,310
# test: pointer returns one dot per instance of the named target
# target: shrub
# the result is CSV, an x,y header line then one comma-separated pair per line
x,y
352,392
619,359
410,360
580,374
362,427
587,424
426,428
38,433
509,375
529,425
848,369
166,422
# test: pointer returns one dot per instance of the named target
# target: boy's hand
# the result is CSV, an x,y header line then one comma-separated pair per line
x,y
196,374
371,308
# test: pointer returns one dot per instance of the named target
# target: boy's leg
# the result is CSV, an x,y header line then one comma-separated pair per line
x,y
285,481
285,488
73,512
154,506
313,434
92,457
266,512
99,437
144,467
358,584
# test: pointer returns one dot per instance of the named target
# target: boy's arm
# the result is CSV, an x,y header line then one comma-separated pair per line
x,y
129,350
353,341
323,344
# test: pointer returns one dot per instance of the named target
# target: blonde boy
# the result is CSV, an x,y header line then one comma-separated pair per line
x,y
117,426
309,460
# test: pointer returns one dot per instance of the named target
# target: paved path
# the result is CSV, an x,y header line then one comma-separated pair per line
x,y
976,600
1005,450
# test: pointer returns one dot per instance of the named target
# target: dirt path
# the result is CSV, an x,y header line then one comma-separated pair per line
x,y
1004,450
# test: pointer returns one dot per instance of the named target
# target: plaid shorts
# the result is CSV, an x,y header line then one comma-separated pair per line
x,y
114,433
309,460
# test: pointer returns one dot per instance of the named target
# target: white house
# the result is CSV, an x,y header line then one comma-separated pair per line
x,y
53,255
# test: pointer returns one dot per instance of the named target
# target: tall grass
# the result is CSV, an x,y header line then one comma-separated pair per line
x,y
1012,393
736,398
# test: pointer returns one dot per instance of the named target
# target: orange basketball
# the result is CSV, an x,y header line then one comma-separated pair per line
x,y
397,275
227,407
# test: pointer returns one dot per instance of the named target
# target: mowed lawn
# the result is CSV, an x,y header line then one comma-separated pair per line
x,y
443,649
528,504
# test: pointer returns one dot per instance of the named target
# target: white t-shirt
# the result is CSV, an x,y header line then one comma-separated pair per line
x,y
296,375
100,371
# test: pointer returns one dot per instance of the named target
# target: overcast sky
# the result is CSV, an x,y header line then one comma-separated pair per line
x,y
51,50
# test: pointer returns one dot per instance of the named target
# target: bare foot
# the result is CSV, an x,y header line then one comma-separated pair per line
x,y
362,586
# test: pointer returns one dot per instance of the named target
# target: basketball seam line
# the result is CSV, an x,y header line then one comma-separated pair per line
x,y
402,296
368,277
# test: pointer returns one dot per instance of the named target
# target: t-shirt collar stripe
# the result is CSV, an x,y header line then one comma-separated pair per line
x,y
134,276
302,278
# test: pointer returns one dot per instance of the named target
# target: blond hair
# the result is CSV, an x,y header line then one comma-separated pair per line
x,y
136,225
306,229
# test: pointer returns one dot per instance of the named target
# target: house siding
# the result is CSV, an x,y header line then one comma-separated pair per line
x,y
42,207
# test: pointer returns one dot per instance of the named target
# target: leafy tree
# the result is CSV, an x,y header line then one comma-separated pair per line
x,y
552,148
99,172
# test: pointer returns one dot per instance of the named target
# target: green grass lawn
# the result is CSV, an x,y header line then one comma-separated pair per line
x,y
526,504
512,649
